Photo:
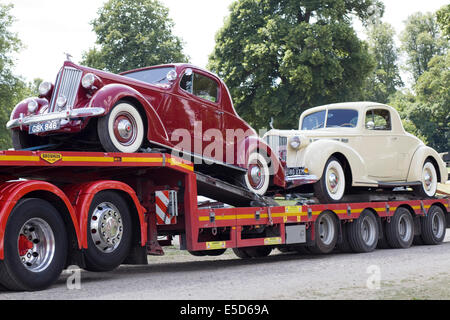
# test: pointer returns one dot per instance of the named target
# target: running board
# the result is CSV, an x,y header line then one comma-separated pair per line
x,y
398,184
228,193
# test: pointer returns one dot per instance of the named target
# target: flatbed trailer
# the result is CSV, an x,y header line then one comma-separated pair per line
x,y
100,210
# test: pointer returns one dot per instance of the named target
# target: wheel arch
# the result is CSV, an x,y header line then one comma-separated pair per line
x,y
13,192
419,158
319,152
108,96
84,194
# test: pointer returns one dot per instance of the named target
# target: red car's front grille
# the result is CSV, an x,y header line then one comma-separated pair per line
x,y
67,84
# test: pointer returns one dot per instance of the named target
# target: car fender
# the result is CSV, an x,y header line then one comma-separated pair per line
x,y
253,143
418,160
318,152
83,194
12,192
110,94
22,107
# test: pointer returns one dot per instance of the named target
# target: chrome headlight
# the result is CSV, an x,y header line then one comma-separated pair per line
x,y
61,102
44,88
88,81
295,143
32,106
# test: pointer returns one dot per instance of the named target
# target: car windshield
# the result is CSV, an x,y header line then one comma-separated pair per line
x,y
152,76
346,118
314,121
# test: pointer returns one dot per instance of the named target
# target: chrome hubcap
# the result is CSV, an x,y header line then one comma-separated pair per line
x,y
428,179
36,245
106,227
124,129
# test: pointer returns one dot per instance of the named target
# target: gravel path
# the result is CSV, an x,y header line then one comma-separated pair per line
x,y
420,272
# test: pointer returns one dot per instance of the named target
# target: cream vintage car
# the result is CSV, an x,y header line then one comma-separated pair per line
x,y
357,144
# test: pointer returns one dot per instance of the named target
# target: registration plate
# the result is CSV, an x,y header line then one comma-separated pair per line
x,y
296,171
45,126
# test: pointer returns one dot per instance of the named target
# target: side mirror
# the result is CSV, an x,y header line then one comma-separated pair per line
x,y
370,125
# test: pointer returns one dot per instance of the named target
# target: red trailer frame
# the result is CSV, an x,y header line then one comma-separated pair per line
x,y
69,181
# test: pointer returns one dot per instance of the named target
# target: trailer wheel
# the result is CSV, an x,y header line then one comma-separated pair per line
x,y
35,246
363,232
400,230
109,237
433,226
326,233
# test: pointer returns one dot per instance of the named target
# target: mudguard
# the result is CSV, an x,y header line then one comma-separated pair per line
x,y
418,160
83,194
318,152
110,94
12,192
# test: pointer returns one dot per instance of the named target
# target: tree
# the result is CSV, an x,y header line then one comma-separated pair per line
x,y
12,88
433,103
443,19
385,79
133,34
421,41
281,57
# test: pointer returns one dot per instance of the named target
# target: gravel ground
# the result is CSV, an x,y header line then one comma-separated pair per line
x,y
420,272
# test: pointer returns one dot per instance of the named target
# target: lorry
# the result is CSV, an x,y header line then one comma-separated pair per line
x,y
99,210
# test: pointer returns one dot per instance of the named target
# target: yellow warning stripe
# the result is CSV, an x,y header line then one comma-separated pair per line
x,y
175,162
134,159
86,159
19,158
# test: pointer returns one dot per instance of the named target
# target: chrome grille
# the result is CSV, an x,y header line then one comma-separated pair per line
x,y
278,145
67,84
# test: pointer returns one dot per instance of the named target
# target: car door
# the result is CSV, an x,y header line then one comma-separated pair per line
x,y
379,146
203,96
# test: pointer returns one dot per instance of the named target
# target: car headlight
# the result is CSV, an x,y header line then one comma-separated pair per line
x,y
295,142
32,106
45,88
61,102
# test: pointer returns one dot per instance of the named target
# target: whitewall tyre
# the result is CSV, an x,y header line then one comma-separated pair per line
x,y
122,130
257,178
429,181
331,187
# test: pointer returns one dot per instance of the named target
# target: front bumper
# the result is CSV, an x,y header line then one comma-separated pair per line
x,y
299,180
66,115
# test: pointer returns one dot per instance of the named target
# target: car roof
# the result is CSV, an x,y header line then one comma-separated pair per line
x,y
349,105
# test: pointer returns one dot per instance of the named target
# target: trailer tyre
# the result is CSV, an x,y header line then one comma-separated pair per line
x,y
326,233
433,226
400,230
363,232
109,232
35,246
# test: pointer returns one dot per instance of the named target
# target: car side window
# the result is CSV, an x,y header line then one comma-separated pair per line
x,y
378,119
200,86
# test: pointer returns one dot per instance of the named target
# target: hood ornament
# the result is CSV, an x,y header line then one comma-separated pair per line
x,y
68,56
271,123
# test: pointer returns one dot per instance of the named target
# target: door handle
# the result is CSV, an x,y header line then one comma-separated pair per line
x,y
219,112
394,138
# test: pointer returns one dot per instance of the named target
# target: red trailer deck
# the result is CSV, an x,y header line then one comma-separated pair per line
x,y
100,210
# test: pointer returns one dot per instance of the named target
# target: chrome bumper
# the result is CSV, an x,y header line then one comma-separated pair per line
x,y
69,114
298,180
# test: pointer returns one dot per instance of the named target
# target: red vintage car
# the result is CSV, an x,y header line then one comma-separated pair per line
x,y
176,107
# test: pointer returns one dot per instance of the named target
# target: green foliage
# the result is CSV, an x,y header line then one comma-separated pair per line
x,y
281,57
421,41
12,88
385,79
133,34
443,19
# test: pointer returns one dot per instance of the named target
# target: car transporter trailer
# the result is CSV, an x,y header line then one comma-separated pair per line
x,y
100,210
